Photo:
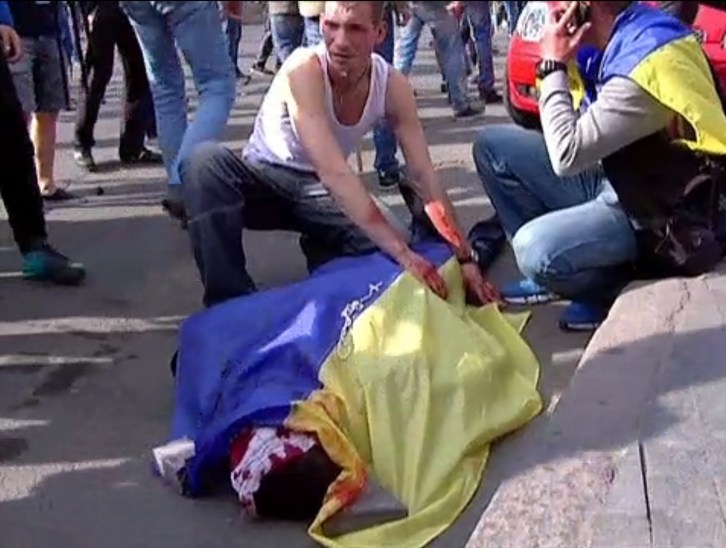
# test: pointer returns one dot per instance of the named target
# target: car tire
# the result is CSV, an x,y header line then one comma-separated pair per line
x,y
524,119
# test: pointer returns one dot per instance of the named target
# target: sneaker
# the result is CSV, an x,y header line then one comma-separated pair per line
x,y
388,181
583,316
528,292
84,159
45,264
444,87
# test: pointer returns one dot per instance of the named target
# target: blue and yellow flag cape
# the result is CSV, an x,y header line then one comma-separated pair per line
x,y
395,382
663,56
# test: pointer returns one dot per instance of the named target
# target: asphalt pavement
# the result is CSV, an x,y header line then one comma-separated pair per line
x,y
85,390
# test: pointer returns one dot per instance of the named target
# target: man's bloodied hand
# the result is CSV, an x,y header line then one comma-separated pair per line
x,y
477,286
424,271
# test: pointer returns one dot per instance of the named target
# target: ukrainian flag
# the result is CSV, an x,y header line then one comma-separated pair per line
x,y
663,56
397,384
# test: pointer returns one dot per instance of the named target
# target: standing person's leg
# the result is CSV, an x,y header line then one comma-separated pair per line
x,y
448,40
569,234
99,61
21,195
266,47
287,33
233,31
160,27
51,99
385,162
312,31
138,110
512,9
407,46
479,14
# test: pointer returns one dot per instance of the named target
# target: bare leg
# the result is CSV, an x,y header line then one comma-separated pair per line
x,y
43,134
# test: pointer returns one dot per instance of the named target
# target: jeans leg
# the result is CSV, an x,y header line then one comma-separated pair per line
x,y
287,33
408,45
211,68
568,233
312,31
448,40
233,31
384,139
513,10
166,77
481,21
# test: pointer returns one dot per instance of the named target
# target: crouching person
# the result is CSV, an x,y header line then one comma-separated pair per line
x,y
626,183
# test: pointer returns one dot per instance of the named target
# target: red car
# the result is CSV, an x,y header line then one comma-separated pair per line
x,y
523,56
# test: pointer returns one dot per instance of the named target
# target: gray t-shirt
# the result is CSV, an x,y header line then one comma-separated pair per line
x,y
622,114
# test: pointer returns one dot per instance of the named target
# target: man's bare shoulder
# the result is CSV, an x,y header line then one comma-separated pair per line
x,y
302,63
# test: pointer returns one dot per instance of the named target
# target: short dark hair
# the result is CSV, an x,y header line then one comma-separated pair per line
x,y
377,9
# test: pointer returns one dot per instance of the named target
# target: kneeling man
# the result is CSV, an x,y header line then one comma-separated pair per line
x,y
294,174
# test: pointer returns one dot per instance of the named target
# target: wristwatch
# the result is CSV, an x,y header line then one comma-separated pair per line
x,y
472,257
547,66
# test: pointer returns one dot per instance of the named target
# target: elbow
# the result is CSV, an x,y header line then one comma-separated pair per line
x,y
563,165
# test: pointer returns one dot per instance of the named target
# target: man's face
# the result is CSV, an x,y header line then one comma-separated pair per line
x,y
350,34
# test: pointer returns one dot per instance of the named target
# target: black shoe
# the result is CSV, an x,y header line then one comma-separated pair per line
x,y
144,157
444,87
84,159
173,204
468,112
388,181
490,97
487,238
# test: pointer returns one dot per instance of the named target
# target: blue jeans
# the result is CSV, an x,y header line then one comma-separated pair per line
x,y
225,194
383,137
233,30
568,234
513,9
480,16
448,41
312,31
160,27
287,33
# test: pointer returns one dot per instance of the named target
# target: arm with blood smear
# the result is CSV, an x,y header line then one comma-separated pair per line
x,y
403,117
304,88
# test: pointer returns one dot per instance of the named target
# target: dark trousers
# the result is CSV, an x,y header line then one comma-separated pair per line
x,y
18,183
225,195
111,28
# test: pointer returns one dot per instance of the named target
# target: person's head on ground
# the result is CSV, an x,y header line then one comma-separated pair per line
x,y
352,30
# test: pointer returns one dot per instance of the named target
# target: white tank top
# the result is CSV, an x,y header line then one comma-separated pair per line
x,y
275,140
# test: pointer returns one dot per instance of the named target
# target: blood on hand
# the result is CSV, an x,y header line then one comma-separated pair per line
x,y
444,224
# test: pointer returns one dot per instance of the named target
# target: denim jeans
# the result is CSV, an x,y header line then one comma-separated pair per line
x,y
513,9
568,234
160,27
480,16
383,136
312,32
448,41
225,194
233,30
287,33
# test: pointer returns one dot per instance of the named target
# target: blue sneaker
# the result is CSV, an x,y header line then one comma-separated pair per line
x,y
527,292
45,264
583,316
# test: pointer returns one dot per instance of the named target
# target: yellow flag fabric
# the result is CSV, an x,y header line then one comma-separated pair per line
x,y
424,389
677,74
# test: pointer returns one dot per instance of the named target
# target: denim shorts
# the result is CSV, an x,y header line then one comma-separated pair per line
x,y
38,76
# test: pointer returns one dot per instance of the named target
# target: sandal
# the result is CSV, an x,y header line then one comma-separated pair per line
x,y
58,195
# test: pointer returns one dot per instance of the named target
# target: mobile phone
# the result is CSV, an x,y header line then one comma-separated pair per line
x,y
582,13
